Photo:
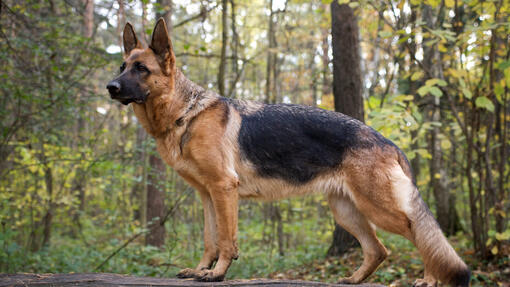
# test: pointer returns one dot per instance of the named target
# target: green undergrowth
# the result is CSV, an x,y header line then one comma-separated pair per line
x,y
259,256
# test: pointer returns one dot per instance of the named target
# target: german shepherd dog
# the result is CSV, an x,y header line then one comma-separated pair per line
x,y
231,149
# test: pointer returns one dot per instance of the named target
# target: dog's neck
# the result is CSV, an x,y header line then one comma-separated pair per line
x,y
183,100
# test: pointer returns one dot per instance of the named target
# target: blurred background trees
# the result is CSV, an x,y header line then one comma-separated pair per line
x,y
81,181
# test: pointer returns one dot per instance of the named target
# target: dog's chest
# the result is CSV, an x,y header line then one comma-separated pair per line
x,y
169,151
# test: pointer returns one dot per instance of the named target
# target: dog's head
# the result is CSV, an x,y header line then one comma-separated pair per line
x,y
145,72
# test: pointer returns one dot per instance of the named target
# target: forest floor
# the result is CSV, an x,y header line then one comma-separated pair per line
x,y
401,268
304,261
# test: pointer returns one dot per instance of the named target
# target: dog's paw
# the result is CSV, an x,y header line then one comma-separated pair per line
x,y
208,276
424,283
187,273
347,280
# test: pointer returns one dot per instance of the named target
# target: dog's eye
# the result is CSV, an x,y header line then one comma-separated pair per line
x,y
123,67
141,67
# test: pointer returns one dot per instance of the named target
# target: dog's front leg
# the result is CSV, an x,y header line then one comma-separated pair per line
x,y
210,237
225,201
210,233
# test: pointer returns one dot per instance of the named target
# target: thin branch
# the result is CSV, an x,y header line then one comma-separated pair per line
x,y
202,14
135,236
120,248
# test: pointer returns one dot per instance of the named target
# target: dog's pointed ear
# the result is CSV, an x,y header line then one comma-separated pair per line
x,y
130,40
162,47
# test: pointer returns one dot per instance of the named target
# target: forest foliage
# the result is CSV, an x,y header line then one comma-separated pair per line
x,y
74,165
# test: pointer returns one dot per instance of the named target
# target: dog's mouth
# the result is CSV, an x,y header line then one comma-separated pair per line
x,y
127,101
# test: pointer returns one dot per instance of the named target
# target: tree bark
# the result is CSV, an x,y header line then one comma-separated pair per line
x,y
235,48
270,98
79,181
144,38
326,81
88,18
155,201
48,217
224,43
121,21
165,11
138,190
347,88
438,174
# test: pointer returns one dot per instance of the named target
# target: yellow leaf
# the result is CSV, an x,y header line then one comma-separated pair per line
x,y
503,236
401,5
446,144
489,242
437,175
494,250
417,75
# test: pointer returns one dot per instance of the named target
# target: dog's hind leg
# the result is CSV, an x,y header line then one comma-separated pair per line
x,y
351,219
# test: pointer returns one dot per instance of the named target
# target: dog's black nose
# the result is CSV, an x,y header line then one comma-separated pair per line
x,y
113,87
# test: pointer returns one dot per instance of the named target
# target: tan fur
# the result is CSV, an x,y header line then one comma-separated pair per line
x,y
196,133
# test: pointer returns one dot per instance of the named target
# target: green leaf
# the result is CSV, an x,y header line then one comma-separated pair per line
x,y
442,83
353,4
423,90
436,92
467,93
446,144
484,102
504,65
373,101
435,81
385,34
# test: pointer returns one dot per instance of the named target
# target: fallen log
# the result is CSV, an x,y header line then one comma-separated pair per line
x,y
108,279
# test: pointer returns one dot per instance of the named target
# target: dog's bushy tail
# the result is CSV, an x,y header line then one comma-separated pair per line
x,y
439,257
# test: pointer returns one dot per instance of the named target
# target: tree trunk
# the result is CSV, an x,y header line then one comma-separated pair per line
x,y
164,11
347,88
235,48
270,59
438,174
48,217
144,38
155,201
224,43
138,190
80,178
326,82
121,21
88,18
